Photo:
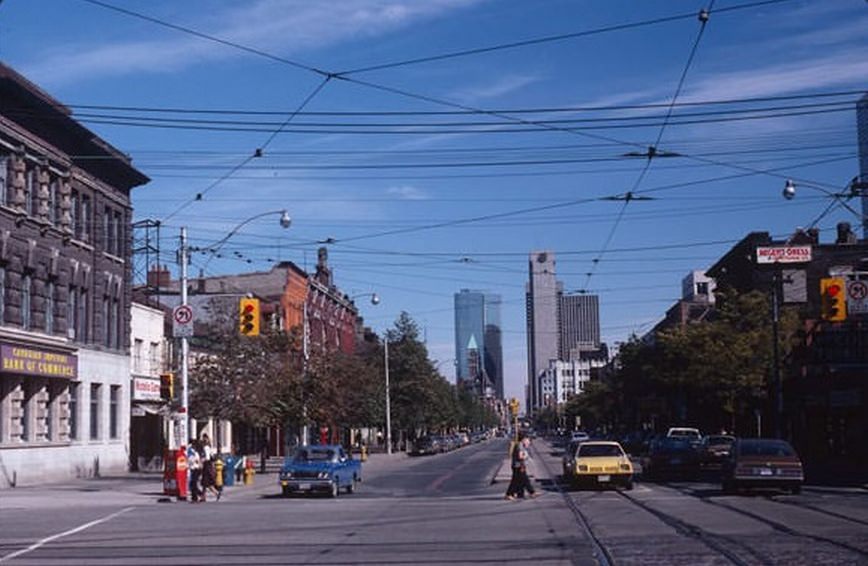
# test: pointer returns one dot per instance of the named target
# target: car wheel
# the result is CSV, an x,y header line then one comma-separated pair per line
x,y
728,487
629,485
285,491
352,487
335,488
796,489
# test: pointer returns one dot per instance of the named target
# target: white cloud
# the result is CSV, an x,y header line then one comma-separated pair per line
x,y
502,86
407,192
284,28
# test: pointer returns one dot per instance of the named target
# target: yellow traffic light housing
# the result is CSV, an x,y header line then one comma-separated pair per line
x,y
513,407
167,386
248,317
833,299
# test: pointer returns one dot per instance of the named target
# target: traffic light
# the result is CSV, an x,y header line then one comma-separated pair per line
x,y
248,317
513,407
167,386
833,299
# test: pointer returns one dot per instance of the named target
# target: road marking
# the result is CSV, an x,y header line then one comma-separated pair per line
x,y
53,538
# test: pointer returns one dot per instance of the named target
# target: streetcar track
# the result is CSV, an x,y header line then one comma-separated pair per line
x,y
776,525
816,509
601,551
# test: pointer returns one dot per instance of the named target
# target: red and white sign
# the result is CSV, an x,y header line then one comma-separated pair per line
x,y
857,296
145,389
182,321
783,254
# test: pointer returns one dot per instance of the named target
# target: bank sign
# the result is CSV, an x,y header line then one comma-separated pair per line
x,y
38,362
783,254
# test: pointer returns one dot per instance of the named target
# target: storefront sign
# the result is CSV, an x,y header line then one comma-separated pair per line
x,y
145,389
783,254
35,361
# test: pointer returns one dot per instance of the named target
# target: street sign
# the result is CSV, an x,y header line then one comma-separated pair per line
x,y
182,321
857,296
783,254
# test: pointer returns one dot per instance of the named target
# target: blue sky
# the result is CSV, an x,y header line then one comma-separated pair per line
x,y
351,177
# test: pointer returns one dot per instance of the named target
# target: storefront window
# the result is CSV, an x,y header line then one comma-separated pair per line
x,y
73,410
49,413
26,413
94,411
114,402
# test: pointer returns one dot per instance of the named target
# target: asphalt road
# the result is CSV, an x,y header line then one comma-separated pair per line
x,y
439,509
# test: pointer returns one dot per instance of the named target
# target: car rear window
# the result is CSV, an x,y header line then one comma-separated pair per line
x,y
769,448
596,450
314,455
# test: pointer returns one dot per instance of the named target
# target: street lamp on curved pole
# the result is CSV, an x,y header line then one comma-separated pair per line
x,y
375,300
183,254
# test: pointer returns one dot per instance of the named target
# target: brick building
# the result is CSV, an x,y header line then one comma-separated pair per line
x,y
65,278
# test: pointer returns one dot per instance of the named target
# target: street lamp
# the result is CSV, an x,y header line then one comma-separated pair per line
x,y
375,300
183,254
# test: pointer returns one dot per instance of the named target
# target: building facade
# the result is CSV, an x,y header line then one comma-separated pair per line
x,y
579,325
65,277
149,411
542,302
564,379
478,327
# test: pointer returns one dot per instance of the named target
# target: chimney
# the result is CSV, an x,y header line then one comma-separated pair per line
x,y
845,234
159,277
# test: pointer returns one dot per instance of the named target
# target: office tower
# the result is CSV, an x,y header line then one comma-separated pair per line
x,y
579,325
478,346
542,303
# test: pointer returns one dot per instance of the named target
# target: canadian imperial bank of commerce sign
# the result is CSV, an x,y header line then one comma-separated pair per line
x,y
34,361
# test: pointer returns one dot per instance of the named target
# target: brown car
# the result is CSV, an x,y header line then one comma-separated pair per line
x,y
763,463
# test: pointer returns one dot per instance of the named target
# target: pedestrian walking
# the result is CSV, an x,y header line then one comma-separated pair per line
x,y
209,469
520,481
194,464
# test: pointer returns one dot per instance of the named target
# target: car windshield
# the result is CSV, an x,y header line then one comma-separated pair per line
x,y
597,450
765,448
314,455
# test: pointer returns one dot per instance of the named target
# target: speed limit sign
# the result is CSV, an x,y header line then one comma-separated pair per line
x,y
857,296
182,321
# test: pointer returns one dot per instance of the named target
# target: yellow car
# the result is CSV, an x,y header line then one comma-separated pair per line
x,y
602,463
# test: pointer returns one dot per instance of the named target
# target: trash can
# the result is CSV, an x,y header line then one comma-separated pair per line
x,y
229,470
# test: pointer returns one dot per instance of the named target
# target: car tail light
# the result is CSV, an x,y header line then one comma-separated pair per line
x,y
583,468
625,467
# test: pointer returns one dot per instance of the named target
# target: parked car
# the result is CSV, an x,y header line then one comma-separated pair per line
x,y
602,463
671,457
425,445
579,436
687,433
568,463
763,463
714,449
321,468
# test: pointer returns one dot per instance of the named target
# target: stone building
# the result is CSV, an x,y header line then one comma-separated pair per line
x,y
65,285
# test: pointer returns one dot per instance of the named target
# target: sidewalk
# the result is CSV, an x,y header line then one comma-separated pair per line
x,y
138,488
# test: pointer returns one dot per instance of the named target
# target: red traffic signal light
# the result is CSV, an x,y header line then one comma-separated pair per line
x,y
248,317
833,299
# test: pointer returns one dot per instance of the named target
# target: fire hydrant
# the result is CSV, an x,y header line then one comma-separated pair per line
x,y
364,456
218,479
249,472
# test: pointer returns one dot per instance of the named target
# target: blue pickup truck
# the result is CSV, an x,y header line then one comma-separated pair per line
x,y
320,469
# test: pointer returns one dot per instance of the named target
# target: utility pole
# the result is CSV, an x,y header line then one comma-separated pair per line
x,y
185,346
388,396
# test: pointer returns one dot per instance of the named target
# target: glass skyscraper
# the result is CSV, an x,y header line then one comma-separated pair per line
x,y
477,327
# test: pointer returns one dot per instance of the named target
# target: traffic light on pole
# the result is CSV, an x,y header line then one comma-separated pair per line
x,y
167,386
833,299
248,315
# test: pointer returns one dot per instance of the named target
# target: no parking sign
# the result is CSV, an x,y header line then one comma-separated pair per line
x,y
857,296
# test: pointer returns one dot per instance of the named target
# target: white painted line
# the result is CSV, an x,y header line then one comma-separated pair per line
x,y
53,538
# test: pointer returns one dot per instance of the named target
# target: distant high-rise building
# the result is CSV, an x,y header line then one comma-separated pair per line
x,y
862,132
579,325
477,328
542,304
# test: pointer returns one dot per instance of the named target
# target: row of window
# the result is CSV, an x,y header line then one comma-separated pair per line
x,y
82,213
79,311
32,411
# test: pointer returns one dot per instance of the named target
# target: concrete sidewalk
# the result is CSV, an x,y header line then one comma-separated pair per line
x,y
137,488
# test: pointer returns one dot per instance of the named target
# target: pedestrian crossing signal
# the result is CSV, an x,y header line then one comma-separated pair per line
x,y
249,317
833,299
